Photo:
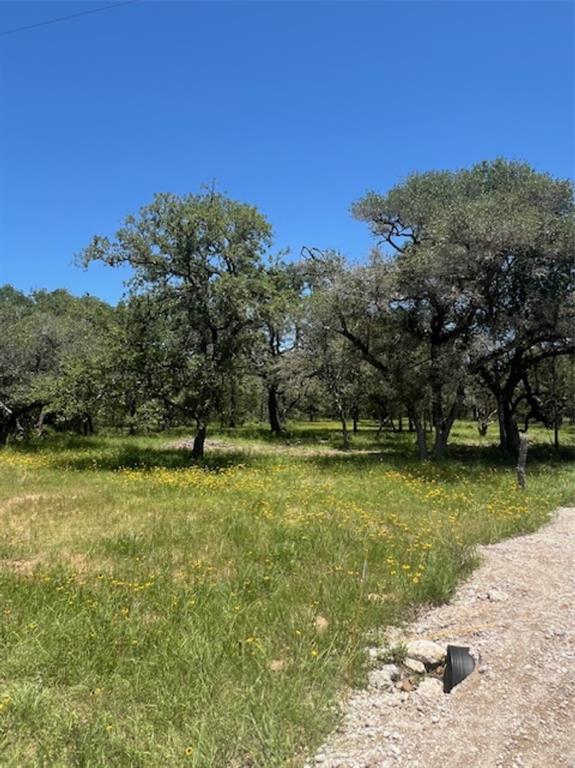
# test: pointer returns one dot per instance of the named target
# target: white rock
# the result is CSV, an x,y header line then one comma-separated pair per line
x,y
430,688
496,595
414,665
426,651
385,677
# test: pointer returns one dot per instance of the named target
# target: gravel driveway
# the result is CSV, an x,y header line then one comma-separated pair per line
x,y
518,708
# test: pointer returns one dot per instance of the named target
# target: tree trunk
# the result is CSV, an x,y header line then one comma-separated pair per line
x,y
355,417
344,430
555,411
39,426
419,425
484,419
4,432
421,440
273,409
508,429
232,421
443,428
342,413
482,427
199,440
7,419
436,384
439,445
132,414
87,425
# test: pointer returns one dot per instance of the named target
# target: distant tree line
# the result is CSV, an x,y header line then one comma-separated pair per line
x,y
466,306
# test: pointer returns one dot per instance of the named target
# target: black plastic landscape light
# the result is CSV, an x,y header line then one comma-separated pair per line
x,y
459,665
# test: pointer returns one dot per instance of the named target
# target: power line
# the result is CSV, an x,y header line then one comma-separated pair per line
x,y
65,18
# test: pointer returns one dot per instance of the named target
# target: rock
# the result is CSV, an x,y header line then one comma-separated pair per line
x,y
414,665
496,595
430,688
385,677
426,651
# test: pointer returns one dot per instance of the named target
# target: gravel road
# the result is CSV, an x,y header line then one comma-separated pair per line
x,y
517,710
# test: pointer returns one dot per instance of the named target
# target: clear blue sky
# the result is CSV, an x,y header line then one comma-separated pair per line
x,y
296,107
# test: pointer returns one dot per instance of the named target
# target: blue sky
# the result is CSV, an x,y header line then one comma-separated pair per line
x,y
296,107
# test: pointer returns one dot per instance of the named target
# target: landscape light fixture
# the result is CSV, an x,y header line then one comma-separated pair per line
x,y
459,665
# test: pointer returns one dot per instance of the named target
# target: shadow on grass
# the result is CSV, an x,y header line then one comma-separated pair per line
x,y
389,450
60,443
137,457
103,453
401,456
314,433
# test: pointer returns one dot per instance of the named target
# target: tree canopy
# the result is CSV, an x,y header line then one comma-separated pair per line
x,y
465,306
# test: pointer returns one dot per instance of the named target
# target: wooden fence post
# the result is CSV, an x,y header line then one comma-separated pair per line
x,y
522,461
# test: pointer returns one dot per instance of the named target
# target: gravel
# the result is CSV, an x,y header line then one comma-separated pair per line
x,y
517,614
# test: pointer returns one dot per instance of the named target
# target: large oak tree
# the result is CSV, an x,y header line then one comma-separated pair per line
x,y
485,263
199,258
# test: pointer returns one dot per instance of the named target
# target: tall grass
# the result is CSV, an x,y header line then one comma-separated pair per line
x,y
160,613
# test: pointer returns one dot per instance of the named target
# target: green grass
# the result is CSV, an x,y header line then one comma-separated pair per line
x,y
158,613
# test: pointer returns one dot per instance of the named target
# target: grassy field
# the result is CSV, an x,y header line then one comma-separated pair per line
x,y
159,613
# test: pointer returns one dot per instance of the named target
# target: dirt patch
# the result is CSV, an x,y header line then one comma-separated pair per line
x,y
28,566
295,449
517,612
21,567
17,501
20,514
